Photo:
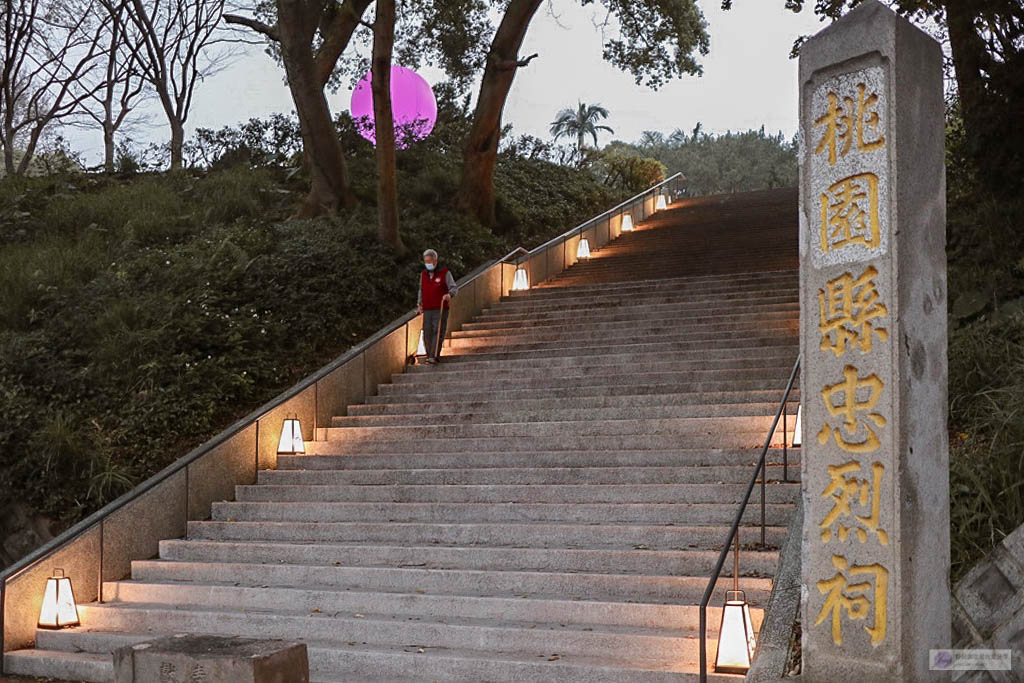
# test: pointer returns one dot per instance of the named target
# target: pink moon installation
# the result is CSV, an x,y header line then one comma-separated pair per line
x,y
412,104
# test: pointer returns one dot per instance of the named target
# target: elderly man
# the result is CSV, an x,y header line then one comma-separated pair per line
x,y
437,287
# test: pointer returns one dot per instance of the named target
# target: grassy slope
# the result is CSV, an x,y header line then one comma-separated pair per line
x,y
138,317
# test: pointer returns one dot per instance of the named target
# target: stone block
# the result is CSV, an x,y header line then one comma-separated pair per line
x,y
875,469
211,659
990,592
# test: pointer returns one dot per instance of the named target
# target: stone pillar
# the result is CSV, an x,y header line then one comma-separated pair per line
x,y
875,577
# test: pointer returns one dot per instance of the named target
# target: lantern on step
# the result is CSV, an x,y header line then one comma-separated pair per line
x,y
660,203
627,223
291,442
59,609
421,349
521,282
735,635
583,250
797,428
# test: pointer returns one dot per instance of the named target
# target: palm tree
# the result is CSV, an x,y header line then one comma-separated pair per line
x,y
580,123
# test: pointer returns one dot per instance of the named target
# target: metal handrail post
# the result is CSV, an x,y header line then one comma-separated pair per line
x,y
732,536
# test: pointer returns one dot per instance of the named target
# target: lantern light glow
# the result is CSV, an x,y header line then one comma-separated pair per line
x,y
59,609
735,636
627,223
521,283
291,442
421,349
660,203
797,428
583,250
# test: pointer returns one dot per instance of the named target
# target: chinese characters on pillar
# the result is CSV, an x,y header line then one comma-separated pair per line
x,y
849,179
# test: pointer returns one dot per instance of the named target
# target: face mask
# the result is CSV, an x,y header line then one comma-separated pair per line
x,y
430,266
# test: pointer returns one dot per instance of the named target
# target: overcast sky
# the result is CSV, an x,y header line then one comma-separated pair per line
x,y
748,80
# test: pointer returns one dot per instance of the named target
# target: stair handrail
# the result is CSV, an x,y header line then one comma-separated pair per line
x,y
733,536
676,179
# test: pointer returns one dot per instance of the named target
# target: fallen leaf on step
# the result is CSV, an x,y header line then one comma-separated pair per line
x,y
553,658
316,611
420,650
351,642
359,616
421,592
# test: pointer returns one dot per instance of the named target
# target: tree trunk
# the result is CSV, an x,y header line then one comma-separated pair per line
x,y
477,191
108,146
177,142
329,181
380,83
969,54
30,147
8,158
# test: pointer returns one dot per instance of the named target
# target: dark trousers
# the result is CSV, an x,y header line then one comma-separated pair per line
x,y
435,322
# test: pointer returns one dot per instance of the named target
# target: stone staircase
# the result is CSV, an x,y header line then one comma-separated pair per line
x,y
545,505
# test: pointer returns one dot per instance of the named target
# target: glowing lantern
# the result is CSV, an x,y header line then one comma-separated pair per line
x,y
797,437
291,442
583,250
735,636
412,104
660,203
521,283
627,223
421,350
59,609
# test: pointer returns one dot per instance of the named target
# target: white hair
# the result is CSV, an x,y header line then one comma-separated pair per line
x,y
430,252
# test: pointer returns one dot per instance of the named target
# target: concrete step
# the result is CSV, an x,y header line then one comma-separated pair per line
x,y
496,633
678,309
751,438
601,561
674,393
672,589
626,332
585,344
587,456
637,366
513,414
776,514
518,475
72,666
693,380
721,321
583,348
735,303
535,535
591,428
637,286
607,355
335,600
355,662
641,332
515,493
455,406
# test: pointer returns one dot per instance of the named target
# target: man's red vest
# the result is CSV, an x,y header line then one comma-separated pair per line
x,y
434,286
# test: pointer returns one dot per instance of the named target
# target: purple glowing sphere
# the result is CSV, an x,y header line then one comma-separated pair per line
x,y
412,105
